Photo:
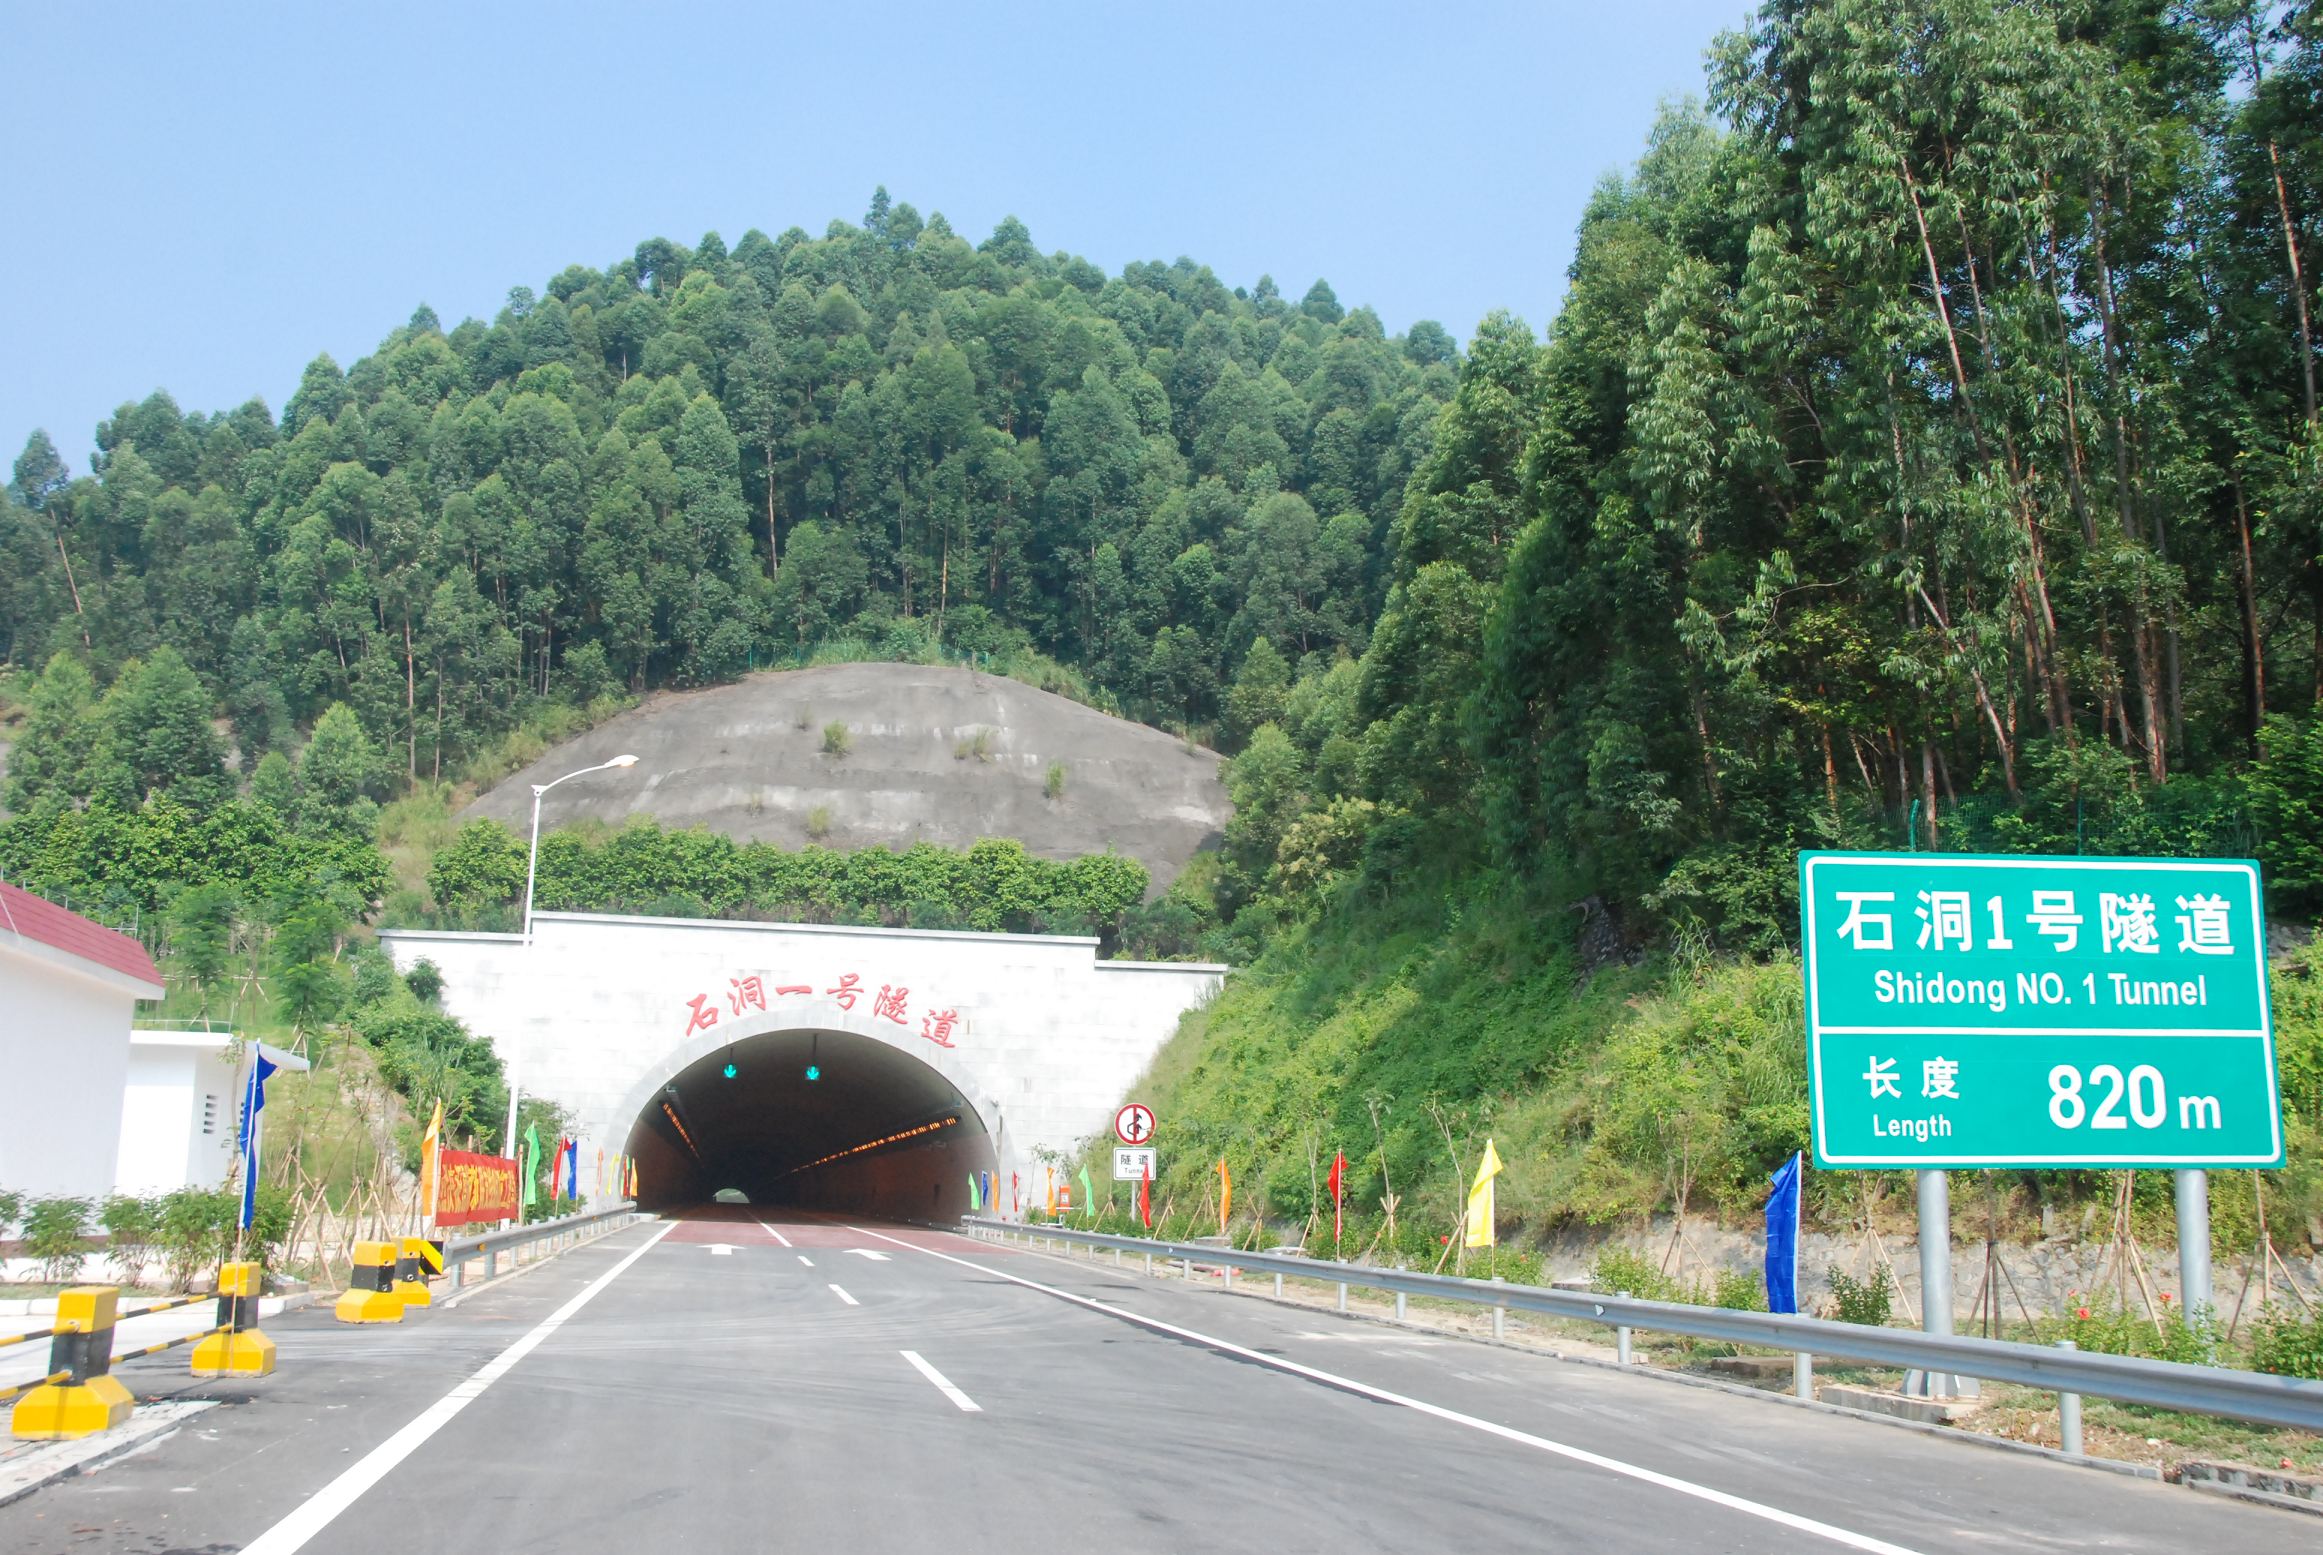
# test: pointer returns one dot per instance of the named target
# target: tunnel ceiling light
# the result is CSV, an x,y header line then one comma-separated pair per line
x,y
874,1144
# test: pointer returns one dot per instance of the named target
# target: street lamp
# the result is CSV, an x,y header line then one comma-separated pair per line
x,y
531,871
532,860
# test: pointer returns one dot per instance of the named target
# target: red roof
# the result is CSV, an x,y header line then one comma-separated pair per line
x,y
37,918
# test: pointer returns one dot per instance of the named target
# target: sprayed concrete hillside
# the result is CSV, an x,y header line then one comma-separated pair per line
x,y
932,755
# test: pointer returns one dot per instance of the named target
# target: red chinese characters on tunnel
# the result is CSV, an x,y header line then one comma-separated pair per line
x,y
761,991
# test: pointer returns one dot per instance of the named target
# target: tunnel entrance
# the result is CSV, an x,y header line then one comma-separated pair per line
x,y
812,1119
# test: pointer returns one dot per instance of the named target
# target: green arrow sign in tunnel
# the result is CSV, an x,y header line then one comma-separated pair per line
x,y
817,1119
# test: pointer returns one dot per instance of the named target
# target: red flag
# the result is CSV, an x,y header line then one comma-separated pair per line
x,y
1015,1201
1145,1196
1338,1202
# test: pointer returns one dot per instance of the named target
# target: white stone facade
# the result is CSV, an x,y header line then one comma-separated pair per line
x,y
601,1011
181,1111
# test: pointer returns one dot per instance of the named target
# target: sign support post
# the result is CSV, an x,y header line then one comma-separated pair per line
x,y
2193,1196
1936,1285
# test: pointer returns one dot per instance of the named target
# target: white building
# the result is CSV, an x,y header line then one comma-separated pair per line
x,y
68,988
180,1112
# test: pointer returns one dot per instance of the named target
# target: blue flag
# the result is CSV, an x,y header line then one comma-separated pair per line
x,y
253,1103
1782,1238
573,1169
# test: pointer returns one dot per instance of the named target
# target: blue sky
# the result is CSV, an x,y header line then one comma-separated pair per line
x,y
202,198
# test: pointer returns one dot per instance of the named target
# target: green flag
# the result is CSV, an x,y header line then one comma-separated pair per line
x,y
1088,1194
531,1165
975,1196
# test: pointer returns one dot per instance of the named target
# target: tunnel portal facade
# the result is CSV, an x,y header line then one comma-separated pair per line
x,y
937,1054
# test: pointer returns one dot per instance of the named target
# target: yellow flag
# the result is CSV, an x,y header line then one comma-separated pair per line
x,y
1480,1199
1225,1193
428,1174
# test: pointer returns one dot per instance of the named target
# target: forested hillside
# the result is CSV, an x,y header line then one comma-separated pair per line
x,y
696,459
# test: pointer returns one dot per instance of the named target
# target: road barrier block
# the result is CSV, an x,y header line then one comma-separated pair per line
x,y
370,1294
88,1399
241,1350
417,1259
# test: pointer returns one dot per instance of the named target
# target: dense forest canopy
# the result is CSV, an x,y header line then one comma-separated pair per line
x,y
699,459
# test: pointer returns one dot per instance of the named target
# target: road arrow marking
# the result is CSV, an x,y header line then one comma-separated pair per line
x,y
721,1249
865,1252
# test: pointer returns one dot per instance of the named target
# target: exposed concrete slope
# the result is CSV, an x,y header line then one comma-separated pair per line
x,y
747,760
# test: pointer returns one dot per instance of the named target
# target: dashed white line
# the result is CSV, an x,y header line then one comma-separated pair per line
x,y
1684,1487
943,1383
315,1513
777,1235
843,1296
809,1262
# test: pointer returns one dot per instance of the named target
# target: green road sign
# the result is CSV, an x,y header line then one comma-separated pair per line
x,y
1970,1010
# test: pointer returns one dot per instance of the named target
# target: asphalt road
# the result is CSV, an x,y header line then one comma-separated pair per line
x,y
829,1388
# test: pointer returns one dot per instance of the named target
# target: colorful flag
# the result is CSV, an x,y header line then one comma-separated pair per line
x,y
531,1165
573,1170
1145,1195
1225,1193
1088,1194
975,1198
1338,1198
253,1105
429,1165
1480,1199
1782,1237
1052,1186
1015,1193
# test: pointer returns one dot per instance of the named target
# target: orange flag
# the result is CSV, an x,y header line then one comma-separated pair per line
x,y
1225,1193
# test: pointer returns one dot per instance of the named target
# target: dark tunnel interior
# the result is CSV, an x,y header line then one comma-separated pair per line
x,y
821,1120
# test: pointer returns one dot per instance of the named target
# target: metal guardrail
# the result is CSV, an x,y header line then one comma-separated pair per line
x,y
2201,1390
566,1231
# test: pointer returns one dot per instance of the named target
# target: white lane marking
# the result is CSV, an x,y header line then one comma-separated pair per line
x,y
943,1383
809,1262
1684,1487
843,1296
721,1249
865,1252
777,1235
316,1513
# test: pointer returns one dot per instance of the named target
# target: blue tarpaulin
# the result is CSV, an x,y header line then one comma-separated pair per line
x,y
1782,1238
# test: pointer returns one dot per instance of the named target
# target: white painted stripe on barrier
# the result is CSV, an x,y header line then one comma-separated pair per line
x,y
317,1511
943,1383
777,1235
843,1296
1684,1487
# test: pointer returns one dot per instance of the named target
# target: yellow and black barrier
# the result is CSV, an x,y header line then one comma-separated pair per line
x,y
370,1296
417,1260
80,1397
236,1347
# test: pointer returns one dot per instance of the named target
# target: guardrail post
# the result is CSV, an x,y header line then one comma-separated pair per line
x,y
1499,1314
370,1294
1342,1298
2069,1413
1621,1338
1803,1375
89,1399
1399,1306
1229,1276
1149,1266
241,1350
1278,1286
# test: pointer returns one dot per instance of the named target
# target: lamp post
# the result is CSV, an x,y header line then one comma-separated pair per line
x,y
531,872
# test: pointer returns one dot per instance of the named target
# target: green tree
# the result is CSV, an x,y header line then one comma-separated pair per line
x,y
50,761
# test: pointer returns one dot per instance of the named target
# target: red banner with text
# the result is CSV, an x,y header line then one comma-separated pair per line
x,y
475,1188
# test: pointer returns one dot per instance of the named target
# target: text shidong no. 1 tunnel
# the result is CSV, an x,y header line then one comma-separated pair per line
x,y
873,1070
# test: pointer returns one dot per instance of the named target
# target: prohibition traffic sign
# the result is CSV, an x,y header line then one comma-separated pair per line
x,y
1133,1124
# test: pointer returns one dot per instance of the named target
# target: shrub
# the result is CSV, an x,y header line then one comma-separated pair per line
x,y
819,822
2288,1344
1054,787
195,1227
978,745
54,1234
129,1226
11,1206
837,741
1739,1290
1618,1271
1864,1301
426,982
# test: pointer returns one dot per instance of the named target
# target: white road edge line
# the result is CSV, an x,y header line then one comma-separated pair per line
x,y
943,1383
1684,1487
777,1235
317,1511
843,1296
